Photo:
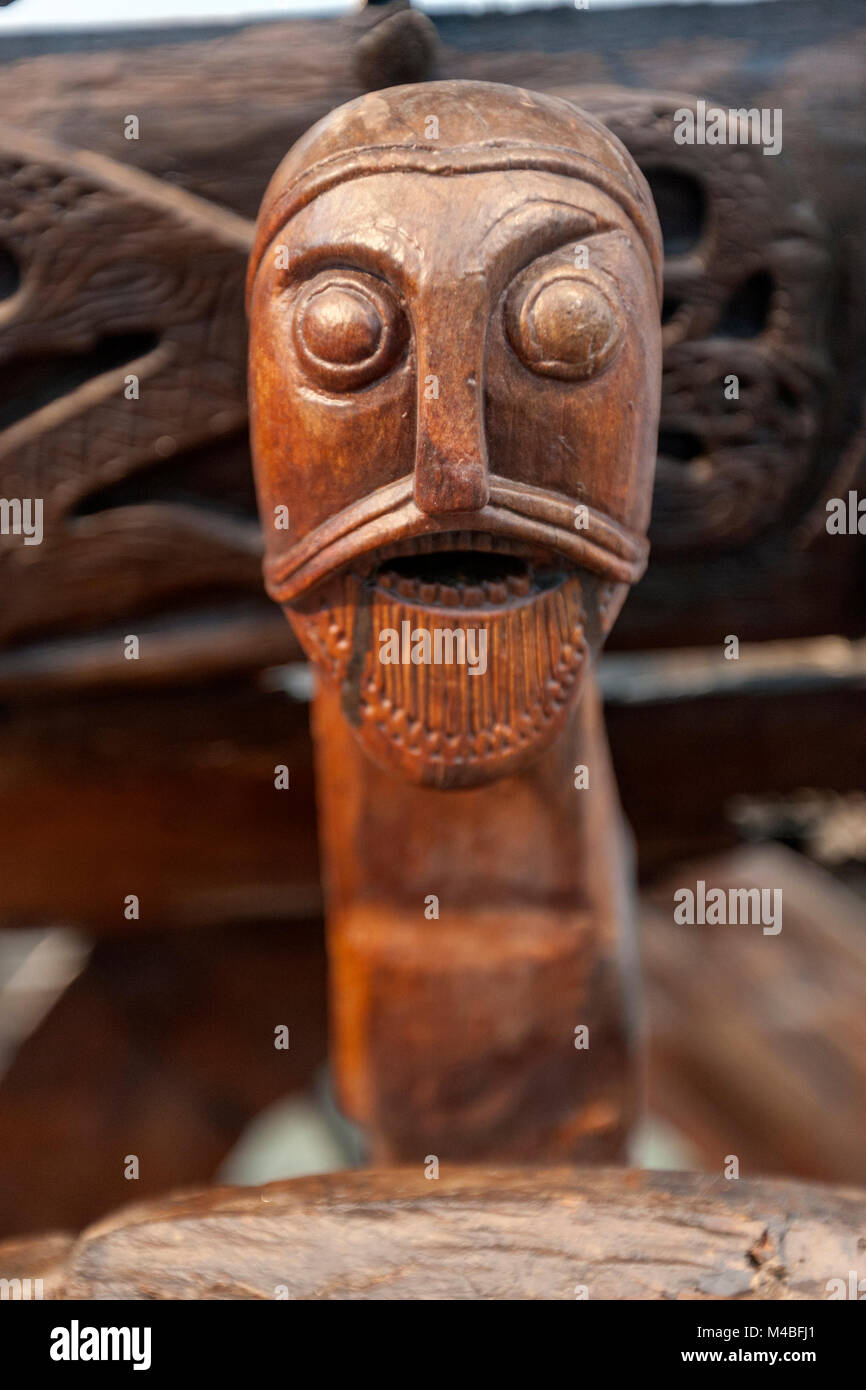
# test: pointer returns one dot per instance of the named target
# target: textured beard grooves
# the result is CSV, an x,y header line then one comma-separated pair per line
x,y
438,724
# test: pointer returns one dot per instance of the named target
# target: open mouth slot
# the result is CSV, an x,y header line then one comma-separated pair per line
x,y
458,568
462,576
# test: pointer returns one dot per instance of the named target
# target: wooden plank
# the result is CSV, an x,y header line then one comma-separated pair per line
x,y
758,1041
168,795
474,1234
106,794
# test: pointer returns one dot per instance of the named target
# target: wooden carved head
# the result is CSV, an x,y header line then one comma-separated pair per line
x,y
455,365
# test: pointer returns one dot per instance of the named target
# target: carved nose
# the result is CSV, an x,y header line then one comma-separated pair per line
x,y
451,451
450,481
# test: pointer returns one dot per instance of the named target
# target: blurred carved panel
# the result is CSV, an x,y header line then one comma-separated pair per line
x,y
129,257
123,403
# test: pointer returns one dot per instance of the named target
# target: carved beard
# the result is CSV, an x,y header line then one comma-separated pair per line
x,y
435,722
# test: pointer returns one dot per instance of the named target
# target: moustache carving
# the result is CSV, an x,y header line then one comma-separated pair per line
x,y
575,531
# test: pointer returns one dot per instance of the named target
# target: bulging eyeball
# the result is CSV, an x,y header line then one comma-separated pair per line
x,y
564,322
348,329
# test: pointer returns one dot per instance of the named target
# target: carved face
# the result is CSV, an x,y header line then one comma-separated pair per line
x,y
454,387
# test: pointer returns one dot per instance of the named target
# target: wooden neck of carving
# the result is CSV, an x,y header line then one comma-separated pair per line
x,y
483,982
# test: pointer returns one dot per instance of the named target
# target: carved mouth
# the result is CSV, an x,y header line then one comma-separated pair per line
x,y
507,618
462,570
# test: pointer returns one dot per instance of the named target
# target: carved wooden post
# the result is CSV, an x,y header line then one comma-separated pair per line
x,y
455,366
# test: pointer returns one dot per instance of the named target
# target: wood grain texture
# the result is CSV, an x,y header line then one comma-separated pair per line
x,y
478,1234
30,1258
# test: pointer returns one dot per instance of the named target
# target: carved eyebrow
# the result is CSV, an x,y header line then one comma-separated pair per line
x,y
378,249
548,222
583,220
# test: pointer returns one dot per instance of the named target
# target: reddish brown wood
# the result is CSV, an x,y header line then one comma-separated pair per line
x,y
455,364
74,823
171,796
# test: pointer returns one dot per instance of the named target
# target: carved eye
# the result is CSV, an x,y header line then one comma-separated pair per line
x,y
348,329
565,323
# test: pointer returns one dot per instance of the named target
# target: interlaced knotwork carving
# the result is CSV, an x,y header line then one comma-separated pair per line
x,y
746,281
